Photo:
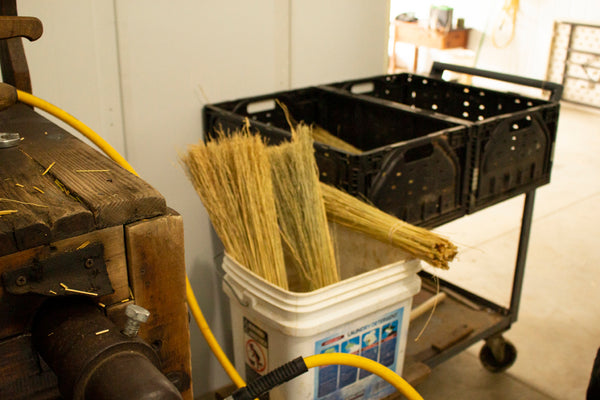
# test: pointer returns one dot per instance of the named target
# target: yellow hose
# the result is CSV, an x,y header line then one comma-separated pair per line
x,y
319,360
86,131
312,361
210,338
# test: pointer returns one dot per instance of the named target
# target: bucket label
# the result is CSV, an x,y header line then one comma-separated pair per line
x,y
378,341
256,342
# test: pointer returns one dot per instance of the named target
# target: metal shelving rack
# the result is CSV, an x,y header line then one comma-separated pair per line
x,y
575,62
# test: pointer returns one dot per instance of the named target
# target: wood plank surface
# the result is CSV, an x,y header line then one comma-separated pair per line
x,y
113,195
12,55
156,261
16,311
44,212
23,378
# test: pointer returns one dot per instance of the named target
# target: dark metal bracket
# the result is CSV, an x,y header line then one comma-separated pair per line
x,y
78,272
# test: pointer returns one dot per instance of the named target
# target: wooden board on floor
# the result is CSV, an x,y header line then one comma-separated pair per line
x,y
157,277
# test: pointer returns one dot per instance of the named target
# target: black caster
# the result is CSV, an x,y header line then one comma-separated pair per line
x,y
497,354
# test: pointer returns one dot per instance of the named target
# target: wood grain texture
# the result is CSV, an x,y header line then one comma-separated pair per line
x,y
27,27
114,197
22,376
16,311
156,264
8,93
49,215
15,70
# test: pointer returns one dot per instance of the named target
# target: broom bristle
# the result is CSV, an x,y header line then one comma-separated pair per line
x,y
320,134
349,211
301,210
232,176
260,199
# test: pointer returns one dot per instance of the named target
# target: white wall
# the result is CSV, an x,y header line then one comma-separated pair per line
x,y
74,64
173,53
170,61
139,72
337,40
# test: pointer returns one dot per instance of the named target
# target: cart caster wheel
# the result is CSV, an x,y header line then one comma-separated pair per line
x,y
497,354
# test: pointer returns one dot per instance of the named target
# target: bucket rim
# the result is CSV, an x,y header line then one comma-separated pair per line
x,y
399,270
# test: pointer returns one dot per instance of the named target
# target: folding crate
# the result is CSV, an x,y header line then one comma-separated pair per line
x,y
413,165
512,136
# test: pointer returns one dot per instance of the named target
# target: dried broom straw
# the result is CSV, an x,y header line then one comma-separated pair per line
x,y
232,176
355,214
320,134
301,211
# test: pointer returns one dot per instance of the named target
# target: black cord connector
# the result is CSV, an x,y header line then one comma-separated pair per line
x,y
274,378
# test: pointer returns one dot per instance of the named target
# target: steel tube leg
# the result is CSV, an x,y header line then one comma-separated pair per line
x,y
515,297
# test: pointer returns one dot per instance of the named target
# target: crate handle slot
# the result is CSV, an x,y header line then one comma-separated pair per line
x,y
418,153
362,87
260,106
555,89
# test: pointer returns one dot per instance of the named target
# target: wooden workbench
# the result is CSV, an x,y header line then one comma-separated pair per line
x,y
85,198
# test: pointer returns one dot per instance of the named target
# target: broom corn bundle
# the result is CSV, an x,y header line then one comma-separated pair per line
x,y
357,215
301,211
232,177
266,202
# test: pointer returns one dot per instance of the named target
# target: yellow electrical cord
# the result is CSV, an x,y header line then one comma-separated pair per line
x,y
312,361
319,360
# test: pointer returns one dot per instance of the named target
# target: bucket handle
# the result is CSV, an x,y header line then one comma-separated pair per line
x,y
243,303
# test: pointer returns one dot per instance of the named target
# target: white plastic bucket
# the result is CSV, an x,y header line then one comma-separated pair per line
x,y
366,314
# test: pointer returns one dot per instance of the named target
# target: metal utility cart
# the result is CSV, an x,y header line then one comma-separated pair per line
x,y
466,318
433,151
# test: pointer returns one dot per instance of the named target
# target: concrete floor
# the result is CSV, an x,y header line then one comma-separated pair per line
x,y
558,331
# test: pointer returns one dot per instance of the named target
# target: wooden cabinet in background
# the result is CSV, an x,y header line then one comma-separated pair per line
x,y
420,36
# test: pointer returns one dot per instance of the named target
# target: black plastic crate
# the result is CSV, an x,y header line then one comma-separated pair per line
x,y
413,165
512,135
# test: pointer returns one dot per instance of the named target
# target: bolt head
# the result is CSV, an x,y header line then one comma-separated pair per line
x,y
137,313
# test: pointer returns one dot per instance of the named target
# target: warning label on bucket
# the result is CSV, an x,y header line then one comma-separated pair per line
x,y
256,349
378,341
